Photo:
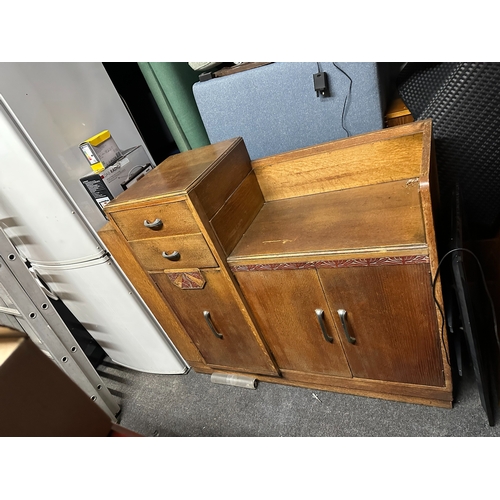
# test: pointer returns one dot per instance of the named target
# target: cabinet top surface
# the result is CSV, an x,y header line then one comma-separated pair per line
x,y
377,218
176,175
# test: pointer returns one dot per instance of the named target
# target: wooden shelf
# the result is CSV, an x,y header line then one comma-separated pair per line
x,y
382,219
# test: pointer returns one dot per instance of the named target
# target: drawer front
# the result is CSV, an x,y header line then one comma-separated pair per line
x,y
215,323
192,249
171,219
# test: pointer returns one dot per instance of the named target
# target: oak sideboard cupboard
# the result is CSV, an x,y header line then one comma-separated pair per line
x,y
310,268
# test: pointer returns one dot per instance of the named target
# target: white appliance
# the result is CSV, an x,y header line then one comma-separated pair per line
x,y
46,110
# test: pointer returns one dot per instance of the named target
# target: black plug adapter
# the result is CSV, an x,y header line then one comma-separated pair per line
x,y
321,84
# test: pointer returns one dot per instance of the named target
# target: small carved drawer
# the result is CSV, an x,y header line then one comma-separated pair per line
x,y
173,252
155,221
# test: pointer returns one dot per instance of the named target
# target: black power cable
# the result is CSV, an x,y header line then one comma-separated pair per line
x,y
450,252
348,95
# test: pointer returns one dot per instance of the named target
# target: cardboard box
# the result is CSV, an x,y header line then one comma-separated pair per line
x,y
116,178
38,399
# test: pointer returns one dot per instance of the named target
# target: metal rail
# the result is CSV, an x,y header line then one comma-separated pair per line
x,y
24,305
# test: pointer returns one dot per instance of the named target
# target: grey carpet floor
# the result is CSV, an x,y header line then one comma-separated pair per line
x,y
192,406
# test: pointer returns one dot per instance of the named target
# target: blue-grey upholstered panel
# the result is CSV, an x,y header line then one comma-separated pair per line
x,y
275,108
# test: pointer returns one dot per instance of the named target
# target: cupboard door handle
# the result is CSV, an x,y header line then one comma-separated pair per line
x,y
211,325
321,321
152,225
343,319
171,256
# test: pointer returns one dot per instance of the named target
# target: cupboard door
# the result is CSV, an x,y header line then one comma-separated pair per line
x,y
286,305
390,313
213,320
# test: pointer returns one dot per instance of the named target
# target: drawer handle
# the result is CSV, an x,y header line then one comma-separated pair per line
x,y
343,319
171,256
211,325
153,225
321,321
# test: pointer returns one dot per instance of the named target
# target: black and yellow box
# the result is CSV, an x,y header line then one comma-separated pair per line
x,y
103,186
101,151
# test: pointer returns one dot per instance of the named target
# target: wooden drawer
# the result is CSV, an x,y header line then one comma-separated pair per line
x,y
193,250
175,218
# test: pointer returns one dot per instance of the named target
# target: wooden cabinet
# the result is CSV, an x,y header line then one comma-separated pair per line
x,y
310,268
165,223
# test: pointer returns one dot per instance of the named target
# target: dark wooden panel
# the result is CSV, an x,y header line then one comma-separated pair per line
x,y
284,304
391,314
176,219
238,348
220,182
235,217
193,250
238,68
397,113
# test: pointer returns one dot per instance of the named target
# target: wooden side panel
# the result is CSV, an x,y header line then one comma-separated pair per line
x,y
235,217
284,304
238,347
332,170
176,219
216,187
391,314
146,289
192,248
429,195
